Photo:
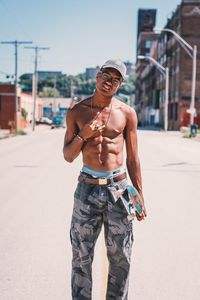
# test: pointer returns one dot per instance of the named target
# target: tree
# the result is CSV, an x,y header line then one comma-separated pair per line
x,y
49,92
128,86
24,113
68,86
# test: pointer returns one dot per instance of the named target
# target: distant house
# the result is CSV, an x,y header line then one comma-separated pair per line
x,y
7,105
55,106
25,107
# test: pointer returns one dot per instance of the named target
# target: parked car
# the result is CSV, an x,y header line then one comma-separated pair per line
x,y
44,120
58,121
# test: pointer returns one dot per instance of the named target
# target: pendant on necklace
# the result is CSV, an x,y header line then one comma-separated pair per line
x,y
100,111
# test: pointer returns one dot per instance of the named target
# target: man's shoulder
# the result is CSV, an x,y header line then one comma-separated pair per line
x,y
83,103
124,107
80,102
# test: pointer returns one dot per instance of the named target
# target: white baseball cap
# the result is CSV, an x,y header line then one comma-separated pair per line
x,y
116,64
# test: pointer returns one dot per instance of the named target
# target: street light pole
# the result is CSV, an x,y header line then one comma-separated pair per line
x,y
166,98
194,73
16,80
164,71
192,52
35,86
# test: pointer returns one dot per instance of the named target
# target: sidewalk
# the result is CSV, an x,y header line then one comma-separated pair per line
x,y
175,133
5,133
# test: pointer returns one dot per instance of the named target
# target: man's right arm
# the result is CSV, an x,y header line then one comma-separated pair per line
x,y
72,143
75,138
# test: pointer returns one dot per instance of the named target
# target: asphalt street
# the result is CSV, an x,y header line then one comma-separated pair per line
x,y
36,201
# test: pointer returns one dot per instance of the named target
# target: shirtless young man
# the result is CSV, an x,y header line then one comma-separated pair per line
x,y
98,127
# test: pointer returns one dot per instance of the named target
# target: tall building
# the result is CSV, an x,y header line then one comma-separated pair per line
x,y
145,39
150,97
145,34
91,73
130,68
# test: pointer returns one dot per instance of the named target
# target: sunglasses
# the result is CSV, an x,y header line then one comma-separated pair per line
x,y
105,76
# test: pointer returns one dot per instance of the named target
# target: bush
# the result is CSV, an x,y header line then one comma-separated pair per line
x,y
19,132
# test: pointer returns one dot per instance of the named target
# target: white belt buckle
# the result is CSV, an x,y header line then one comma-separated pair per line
x,y
102,181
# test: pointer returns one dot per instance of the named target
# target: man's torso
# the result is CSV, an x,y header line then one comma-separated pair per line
x,y
104,151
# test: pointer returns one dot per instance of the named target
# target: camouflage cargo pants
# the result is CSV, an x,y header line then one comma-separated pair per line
x,y
93,206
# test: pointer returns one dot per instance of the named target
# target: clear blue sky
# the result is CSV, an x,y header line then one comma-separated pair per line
x,y
80,33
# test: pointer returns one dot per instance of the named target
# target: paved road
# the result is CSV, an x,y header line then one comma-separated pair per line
x,y
36,191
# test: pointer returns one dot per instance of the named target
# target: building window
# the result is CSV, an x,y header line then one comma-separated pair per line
x,y
148,44
147,54
176,111
147,19
170,111
157,102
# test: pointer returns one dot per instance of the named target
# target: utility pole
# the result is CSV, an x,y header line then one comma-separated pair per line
x,y
54,100
35,80
16,44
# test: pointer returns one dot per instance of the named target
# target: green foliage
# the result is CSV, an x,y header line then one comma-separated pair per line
x,y
122,98
49,92
128,86
26,83
24,113
67,86
86,87
19,132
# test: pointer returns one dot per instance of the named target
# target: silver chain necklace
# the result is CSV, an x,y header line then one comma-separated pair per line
x,y
91,107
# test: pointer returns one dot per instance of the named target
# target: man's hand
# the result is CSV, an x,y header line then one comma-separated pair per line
x,y
143,215
90,129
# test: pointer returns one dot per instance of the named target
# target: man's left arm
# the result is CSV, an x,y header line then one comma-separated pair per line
x,y
132,159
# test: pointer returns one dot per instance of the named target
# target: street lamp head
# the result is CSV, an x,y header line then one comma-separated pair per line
x,y
158,30
141,57
155,62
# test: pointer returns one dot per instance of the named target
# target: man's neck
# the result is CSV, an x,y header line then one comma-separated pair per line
x,y
101,100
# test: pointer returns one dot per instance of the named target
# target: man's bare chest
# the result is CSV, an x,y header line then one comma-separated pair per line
x,y
114,119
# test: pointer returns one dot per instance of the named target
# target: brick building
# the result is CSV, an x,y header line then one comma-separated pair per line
x,y
145,35
25,104
150,96
145,39
7,105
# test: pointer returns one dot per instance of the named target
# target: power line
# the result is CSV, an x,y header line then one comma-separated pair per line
x,y
35,80
16,44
